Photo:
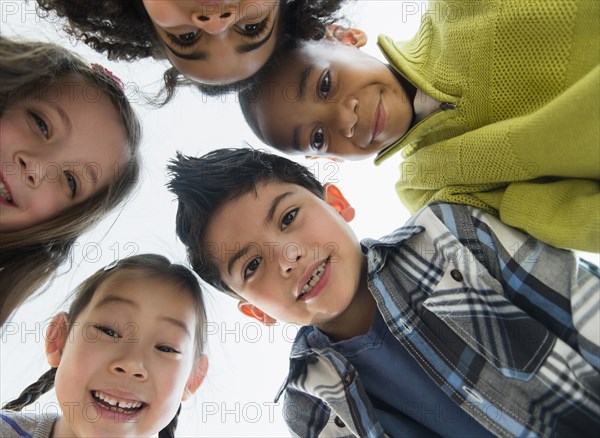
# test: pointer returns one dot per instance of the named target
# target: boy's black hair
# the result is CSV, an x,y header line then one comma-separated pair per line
x,y
203,185
122,29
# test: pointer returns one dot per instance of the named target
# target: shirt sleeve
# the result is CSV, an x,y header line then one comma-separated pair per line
x,y
552,285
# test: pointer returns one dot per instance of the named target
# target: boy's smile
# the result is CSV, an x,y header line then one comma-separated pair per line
x,y
331,99
288,253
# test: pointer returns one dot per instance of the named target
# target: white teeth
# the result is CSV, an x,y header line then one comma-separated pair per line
x,y
4,192
314,279
114,403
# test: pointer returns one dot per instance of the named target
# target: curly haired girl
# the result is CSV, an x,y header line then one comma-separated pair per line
x,y
216,45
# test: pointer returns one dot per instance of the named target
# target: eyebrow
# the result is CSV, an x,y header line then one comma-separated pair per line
x,y
268,219
244,48
114,299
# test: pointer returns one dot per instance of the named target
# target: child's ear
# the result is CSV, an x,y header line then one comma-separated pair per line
x,y
254,312
346,35
56,338
334,197
196,378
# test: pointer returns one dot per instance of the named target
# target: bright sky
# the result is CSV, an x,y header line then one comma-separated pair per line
x,y
247,361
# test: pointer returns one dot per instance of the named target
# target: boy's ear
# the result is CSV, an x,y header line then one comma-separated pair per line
x,y
346,35
196,378
56,338
254,312
334,197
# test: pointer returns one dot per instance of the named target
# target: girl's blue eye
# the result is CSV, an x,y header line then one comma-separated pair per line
x,y
289,218
318,140
325,85
72,182
41,124
108,331
166,349
252,267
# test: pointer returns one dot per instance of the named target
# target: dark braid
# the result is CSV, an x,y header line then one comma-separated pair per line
x,y
169,430
33,392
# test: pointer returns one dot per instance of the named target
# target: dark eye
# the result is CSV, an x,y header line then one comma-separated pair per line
x,y
252,267
288,218
185,39
166,349
325,85
72,182
318,140
41,124
108,331
253,29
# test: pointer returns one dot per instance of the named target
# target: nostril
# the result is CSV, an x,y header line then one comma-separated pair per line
x,y
203,18
22,162
225,15
119,370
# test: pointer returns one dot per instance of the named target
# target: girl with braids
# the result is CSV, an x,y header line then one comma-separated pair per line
x,y
69,155
218,44
123,358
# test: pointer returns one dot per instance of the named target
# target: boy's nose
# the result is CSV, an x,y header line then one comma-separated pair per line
x,y
289,257
214,20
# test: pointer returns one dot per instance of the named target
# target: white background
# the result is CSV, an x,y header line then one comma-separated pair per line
x,y
247,362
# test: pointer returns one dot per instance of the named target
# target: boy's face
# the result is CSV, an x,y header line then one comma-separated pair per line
x,y
289,253
333,100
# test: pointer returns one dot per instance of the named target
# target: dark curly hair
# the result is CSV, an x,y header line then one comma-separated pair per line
x,y
123,30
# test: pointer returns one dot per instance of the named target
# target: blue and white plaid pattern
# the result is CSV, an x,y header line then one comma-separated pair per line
x,y
507,326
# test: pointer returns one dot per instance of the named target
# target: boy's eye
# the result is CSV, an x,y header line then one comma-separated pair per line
x,y
108,331
41,124
252,267
72,182
318,140
288,218
325,85
166,349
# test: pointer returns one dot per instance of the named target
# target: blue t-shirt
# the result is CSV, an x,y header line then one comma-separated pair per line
x,y
407,402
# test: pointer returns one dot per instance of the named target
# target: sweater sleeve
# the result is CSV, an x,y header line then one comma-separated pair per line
x,y
568,215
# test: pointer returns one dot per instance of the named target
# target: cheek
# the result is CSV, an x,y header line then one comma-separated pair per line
x,y
163,13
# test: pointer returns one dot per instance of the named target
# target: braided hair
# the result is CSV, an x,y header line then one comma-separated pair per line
x,y
151,264
34,391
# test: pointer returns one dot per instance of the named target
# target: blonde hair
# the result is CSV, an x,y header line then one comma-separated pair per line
x,y
29,257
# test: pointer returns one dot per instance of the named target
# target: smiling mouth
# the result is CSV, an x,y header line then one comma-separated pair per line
x,y
314,279
122,406
4,193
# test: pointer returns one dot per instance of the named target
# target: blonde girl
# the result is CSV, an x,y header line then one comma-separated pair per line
x,y
69,155
123,358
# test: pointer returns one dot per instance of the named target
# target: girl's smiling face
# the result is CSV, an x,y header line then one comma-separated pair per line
x,y
60,146
128,360
216,42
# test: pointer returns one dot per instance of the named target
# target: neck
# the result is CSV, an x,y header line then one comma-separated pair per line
x,y
358,317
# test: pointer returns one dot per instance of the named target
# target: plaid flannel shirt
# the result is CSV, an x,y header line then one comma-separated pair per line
x,y
507,326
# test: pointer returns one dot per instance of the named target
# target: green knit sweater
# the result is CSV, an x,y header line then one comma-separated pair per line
x,y
520,137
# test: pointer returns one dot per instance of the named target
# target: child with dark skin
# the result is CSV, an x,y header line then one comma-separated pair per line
x,y
491,105
443,313
216,46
